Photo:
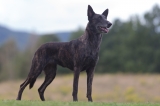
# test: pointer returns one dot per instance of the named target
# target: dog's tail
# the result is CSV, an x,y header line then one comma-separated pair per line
x,y
31,84
35,71
29,81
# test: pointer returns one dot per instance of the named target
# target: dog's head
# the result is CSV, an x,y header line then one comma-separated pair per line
x,y
99,21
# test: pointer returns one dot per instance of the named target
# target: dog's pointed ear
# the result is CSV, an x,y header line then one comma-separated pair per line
x,y
90,12
105,13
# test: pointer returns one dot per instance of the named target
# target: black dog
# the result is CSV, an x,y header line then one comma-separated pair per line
x,y
77,55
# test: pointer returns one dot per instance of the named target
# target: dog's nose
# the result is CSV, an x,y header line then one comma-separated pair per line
x,y
109,25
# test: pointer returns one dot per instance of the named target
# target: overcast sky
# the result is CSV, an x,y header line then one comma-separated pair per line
x,y
46,16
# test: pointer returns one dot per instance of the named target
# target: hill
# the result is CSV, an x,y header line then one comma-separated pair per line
x,y
63,36
22,37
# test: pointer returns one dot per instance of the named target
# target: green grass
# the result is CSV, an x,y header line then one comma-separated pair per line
x,y
52,103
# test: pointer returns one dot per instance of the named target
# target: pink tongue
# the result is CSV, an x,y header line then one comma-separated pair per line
x,y
104,29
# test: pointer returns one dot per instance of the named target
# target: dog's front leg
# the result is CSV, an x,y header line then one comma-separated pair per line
x,y
75,83
90,74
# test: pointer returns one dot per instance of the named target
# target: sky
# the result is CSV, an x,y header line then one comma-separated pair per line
x,y
49,16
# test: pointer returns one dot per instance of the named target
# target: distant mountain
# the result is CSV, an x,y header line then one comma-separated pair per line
x,y
63,36
20,37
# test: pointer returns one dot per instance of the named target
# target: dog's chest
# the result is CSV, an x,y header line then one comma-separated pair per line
x,y
90,57
89,60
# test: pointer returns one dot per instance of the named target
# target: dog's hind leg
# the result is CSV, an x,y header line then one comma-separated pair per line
x,y
30,81
35,71
22,87
50,73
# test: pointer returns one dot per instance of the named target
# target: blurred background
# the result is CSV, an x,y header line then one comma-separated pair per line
x,y
129,54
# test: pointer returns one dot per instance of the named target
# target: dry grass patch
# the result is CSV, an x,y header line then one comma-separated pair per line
x,y
106,88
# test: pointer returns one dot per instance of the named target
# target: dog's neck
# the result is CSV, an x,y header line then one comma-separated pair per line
x,y
91,37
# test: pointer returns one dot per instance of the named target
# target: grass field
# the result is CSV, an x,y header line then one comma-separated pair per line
x,y
107,89
51,103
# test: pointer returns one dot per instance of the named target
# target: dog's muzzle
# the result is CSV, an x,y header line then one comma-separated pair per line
x,y
103,29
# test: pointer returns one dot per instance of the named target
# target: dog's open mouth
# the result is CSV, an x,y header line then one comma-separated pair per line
x,y
103,29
